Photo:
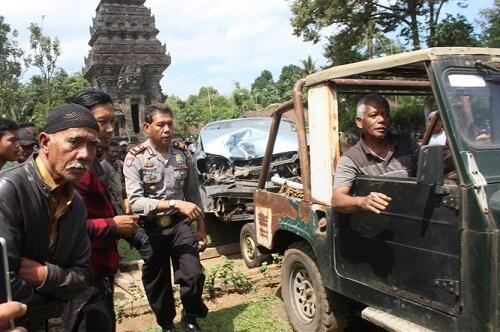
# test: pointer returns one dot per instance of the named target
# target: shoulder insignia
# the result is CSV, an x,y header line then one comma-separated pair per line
x,y
138,149
179,145
129,161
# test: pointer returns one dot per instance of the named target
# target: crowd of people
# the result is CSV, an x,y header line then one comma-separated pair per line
x,y
69,195
65,202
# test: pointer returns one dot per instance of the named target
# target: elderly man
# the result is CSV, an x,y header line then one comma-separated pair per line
x,y
106,224
44,222
378,152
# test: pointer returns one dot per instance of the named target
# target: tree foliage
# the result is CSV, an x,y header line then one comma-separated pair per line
x,y
455,31
356,29
11,66
44,54
491,28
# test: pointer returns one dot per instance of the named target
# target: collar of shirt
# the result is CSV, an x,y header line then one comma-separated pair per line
x,y
61,195
162,157
392,147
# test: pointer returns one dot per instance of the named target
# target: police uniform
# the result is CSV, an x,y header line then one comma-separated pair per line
x,y
151,177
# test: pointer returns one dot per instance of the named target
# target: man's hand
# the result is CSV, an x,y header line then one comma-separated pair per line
x,y
375,202
202,234
126,225
11,310
191,210
32,272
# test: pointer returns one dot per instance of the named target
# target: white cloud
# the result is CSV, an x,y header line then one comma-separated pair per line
x,y
212,42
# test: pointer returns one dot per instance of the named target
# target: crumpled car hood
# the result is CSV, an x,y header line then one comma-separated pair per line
x,y
246,143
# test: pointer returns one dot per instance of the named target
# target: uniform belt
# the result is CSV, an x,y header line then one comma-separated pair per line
x,y
163,221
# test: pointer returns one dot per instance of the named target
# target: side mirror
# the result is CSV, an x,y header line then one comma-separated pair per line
x,y
430,165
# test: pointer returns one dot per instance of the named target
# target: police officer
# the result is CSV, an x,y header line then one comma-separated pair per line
x,y
162,185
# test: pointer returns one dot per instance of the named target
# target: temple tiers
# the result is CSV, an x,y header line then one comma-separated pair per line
x,y
126,61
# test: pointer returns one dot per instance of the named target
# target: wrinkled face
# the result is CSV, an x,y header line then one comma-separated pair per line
x,y
69,152
105,116
26,151
376,120
112,154
9,146
161,129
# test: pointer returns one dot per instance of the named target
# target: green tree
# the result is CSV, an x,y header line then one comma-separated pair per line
x,y
242,98
44,54
11,65
264,89
455,31
289,75
491,28
207,106
308,66
413,20
63,88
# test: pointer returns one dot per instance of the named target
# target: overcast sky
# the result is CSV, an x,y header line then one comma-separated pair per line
x,y
211,42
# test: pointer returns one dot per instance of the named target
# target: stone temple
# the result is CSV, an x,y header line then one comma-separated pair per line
x,y
126,61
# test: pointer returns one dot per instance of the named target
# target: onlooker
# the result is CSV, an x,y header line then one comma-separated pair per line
x,y
43,222
9,311
9,143
113,167
378,152
27,143
438,135
29,126
162,184
94,309
123,150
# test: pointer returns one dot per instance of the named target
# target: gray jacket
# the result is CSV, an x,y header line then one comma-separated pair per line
x,y
24,223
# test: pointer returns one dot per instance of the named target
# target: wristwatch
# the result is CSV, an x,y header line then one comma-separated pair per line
x,y
171,203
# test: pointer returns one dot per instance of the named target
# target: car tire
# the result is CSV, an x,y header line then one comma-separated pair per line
x,y
248,246
308,303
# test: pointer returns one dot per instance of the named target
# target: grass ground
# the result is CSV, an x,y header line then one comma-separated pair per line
x,y
218,233
255,316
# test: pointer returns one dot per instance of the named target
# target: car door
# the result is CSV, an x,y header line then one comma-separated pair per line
x,y
411,249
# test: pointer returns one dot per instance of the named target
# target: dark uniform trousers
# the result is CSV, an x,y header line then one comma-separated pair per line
x,y
175,242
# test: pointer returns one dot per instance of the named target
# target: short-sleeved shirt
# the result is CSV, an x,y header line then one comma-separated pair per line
x,y
151,177
361,160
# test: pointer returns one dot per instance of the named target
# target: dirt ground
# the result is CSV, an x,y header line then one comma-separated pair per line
x,y
262,287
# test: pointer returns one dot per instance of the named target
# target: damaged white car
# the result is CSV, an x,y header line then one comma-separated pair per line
x,y
228,157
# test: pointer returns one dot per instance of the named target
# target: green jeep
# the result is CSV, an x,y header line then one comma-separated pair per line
x,y
431,260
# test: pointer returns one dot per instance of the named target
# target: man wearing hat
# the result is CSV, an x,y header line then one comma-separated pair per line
x,y
43,222
27,142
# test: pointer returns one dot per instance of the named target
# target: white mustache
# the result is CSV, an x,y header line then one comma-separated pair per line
x,y
76,164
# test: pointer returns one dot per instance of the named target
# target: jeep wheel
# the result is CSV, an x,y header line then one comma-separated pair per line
x,y
248,246
306,299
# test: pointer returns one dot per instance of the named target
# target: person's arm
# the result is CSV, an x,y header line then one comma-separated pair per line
x,y
11,228
343,201
374,202
64,283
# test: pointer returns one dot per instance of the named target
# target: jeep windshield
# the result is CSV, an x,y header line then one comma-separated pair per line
x,y
474,96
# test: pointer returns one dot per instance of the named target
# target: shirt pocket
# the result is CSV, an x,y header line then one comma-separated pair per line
x,y
152,180
180,176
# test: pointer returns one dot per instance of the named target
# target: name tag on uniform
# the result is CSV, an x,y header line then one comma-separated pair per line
x,y
181,168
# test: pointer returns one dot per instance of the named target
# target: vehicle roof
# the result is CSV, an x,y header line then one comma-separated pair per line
x,y
409,64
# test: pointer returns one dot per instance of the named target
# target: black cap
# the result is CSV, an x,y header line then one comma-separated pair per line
x,y
69,116
25,137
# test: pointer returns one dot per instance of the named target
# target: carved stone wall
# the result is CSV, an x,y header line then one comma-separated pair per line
x,y
127,61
